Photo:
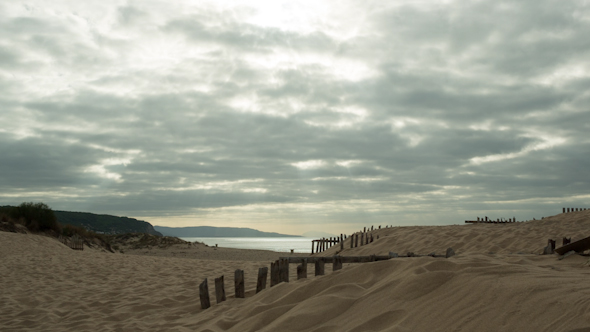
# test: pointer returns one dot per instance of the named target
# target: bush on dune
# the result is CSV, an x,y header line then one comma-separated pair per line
x,y
36,217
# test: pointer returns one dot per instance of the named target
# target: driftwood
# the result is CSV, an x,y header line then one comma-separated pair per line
x,y
204,295
219,290
239,284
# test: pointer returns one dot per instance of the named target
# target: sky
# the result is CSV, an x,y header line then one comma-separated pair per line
x,y
296,116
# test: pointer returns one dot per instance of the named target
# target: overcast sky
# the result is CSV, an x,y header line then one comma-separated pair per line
x,y
292,116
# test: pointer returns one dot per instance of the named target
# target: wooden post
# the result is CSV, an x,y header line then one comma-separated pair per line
x,y
341,241
337,265
371,237
567,240
319,267
362,239
274,273
261,282
204,295
317,248
284,266
352,241
312,243
356,240
219,290
563,210
302,270
239,284
371,228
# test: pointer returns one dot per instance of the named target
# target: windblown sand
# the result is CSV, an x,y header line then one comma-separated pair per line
x,y
496,282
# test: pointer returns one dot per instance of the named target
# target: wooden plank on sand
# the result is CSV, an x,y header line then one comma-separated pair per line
x,y
577,246
261,282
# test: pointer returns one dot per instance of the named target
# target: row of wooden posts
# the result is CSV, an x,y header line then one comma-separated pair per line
x,y
326,243
567,210
75,242
279,272
490,221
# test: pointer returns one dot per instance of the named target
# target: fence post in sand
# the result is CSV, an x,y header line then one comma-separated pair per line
x,y
261,282
337,263
356,240
563,210
312,246
284,267
302,269
274,273
239,284
319,267
371,237
362,239
341,242
567,240
219,290
371,228
204,295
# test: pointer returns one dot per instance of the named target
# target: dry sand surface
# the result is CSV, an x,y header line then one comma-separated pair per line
x,y
496,282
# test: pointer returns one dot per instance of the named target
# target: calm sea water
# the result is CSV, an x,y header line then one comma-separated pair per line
x,y
281,244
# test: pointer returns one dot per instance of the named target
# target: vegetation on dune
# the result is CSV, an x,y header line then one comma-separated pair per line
x,y
40,218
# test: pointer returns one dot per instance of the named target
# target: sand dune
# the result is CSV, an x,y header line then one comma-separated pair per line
x,y
496,282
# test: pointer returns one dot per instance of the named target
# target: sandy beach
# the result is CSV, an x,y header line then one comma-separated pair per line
x,y
498,281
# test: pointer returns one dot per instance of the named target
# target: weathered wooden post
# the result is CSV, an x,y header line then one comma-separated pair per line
x,y
362,239
284,267
239,284
356,240
317,248
567,240
261,282
371,237
341,241
302,269
319,267
312,243
379,226
352,241
337,265
219,290
563,210
204,295
371,228
274,273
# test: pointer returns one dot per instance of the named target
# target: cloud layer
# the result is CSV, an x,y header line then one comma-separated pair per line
x,y
295,116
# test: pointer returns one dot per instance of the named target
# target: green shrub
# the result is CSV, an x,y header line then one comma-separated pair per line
x,y
36,216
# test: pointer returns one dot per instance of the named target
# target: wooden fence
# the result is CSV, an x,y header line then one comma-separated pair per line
x,y
485,220
75,242
279,272
361,238
568,210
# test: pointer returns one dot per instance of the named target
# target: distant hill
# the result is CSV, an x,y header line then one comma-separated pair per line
x,y
209,231
107,224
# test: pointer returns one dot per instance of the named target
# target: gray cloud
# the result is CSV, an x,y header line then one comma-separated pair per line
x,y
468,109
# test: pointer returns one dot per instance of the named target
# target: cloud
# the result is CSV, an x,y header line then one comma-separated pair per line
x,y
292,116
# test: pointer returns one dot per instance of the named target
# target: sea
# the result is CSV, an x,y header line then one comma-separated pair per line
x,y
280,244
